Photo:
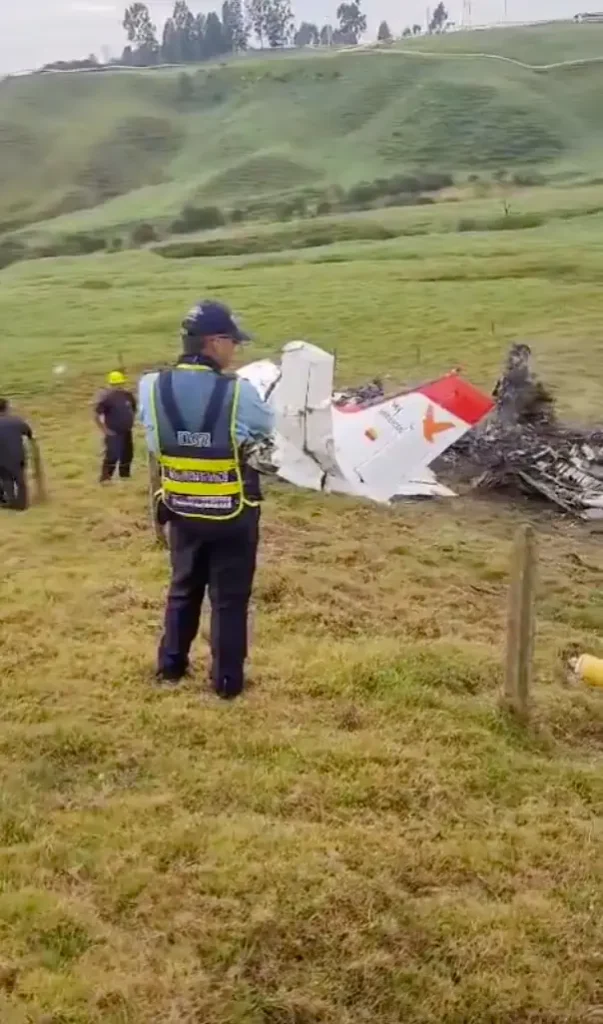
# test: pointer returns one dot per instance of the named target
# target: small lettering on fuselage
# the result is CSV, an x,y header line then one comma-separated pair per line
x,y
193,439
400,428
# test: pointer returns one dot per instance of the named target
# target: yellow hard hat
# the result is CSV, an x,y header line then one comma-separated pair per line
x,y
116,377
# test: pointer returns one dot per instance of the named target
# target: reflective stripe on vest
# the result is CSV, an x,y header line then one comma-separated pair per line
x,y
200,468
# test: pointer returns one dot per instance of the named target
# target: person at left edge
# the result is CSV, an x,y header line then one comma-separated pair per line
x,y
114,413
14,431
198,418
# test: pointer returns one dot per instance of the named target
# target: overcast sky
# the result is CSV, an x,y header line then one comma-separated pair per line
x,y
35,32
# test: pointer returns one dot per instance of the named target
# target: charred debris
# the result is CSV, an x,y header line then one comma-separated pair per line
x,y
522,447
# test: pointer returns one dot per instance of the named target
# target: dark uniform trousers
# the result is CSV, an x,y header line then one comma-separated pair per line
x,y
13,488
119,450
219,557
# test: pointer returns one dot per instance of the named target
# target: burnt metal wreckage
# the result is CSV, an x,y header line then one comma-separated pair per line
x,y
521,447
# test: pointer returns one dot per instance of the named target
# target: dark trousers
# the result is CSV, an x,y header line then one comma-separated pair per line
x,y
219,557
13,488
119,450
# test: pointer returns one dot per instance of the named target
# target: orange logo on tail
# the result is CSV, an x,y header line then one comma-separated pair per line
x,y
431,429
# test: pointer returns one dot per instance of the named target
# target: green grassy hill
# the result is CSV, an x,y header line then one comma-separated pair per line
x,y
145,144
530,44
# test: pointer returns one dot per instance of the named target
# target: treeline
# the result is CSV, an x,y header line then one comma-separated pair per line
x,y
90,63
189,38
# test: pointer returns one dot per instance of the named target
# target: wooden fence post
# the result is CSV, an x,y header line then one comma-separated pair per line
x,y
520,623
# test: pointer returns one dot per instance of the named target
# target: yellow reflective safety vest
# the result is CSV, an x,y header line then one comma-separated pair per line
x,y
195,410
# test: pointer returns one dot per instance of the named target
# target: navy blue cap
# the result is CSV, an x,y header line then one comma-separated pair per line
x,y
207,318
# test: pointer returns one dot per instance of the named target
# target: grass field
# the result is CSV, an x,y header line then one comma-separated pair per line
x,y
364,837
141,146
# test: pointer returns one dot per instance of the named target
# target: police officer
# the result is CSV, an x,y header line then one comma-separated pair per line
x,y
197,419
114,413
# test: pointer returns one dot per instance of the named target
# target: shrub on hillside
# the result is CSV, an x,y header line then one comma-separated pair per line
x,y
515,222
84,243
11,251
297,236
291,209
81,244
198,218
435,181
143,234
508,222
363,192
528,179
366,192
12,224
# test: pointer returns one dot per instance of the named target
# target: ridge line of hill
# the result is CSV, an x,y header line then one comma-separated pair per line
x,y
361,50
495,56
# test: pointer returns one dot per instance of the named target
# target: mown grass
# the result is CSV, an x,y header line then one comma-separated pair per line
x,y
364,837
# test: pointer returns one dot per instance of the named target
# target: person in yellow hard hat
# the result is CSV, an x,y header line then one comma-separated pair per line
x,y
114,413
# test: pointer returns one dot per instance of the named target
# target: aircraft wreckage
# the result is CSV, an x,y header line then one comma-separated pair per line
x,y
379,447
359,442
521,445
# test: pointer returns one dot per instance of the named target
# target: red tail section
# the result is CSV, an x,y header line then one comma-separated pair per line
x,y
458,397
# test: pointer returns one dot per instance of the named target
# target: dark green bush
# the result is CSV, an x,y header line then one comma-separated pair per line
x,y
361,196
11,251
528,179
300,236
80,244
515,222
291,209
143,234
509,222
363,192
198,218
